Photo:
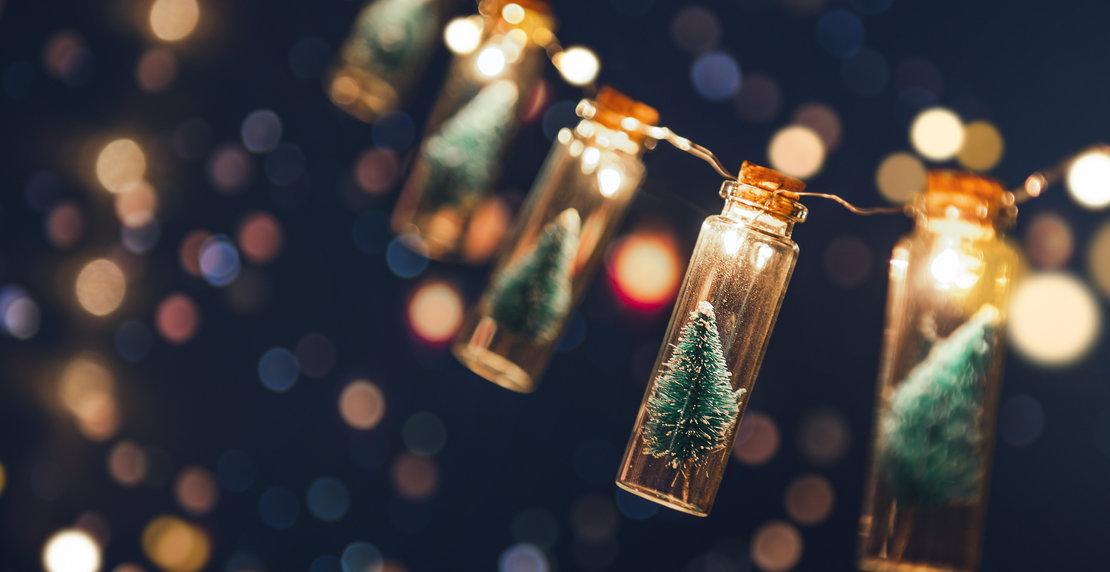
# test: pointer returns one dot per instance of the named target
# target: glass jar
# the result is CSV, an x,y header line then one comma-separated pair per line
x,y
388,47
937,397
472,126
568,220
703,376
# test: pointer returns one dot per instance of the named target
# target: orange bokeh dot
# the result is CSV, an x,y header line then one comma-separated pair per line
x,y
189,252
135,206
65,224
127,464
260,237
156,70
416,478
776,547
435,312
177,318
809,499
362,404
645,270
757,439
486,230
196,490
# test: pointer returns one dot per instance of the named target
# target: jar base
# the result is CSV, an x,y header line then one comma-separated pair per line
x,y
666,500
884,565
494,367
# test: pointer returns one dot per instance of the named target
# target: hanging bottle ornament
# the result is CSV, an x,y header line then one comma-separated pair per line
x,y
389,45
473,124
714,344
937,398
575,206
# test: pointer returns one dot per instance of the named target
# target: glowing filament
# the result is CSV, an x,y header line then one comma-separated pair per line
x,y
462,35
952,268
608,181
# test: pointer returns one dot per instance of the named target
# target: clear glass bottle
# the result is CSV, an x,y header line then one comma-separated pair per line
x,y
709,359
937,398
388,47
473,124
568,220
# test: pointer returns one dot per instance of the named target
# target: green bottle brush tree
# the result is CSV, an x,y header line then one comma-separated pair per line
x,y
394,34
532,297
930,452
693,406
461,159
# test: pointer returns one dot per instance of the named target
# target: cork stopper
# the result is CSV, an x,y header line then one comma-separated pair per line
x,y
611,107
534,17
959,194
767,190
770,179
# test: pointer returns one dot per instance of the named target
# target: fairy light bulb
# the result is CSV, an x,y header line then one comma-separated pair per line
x,y
1089,179
463,35
609,181
578,65
491,61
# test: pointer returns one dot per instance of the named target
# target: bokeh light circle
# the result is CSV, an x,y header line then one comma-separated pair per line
x,y
523,557
900,177
823,120
261,131
840,32
716,76
760,98
416,478
230,168
362,557
824,437
1054,319
1049,241
278,369
315,354
578,65
797,151
435,312
362,404
278,507
776,547
982,147
65,224
645,270
196,490
219,260
101,287
424,433
127,463
809,499
1089,180
173,20
695,29
937,134
177,318
156,70
328,499
71,550
120,164
757,439
260,237
1098,258
176,545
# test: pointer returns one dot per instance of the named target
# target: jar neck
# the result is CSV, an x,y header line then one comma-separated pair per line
x,y
758,218
595,134
962,216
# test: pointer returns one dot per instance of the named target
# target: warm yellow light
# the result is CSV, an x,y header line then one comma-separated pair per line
x,y
952,268
120,165
608,181
173,20
1054,319
1089,180
578,65
937,134
1098,258
982,147
797,151
435,312
100,287
3,479
175,545
900,177
462,35
71,550
362,404
645,270
513,13
135,206
491,61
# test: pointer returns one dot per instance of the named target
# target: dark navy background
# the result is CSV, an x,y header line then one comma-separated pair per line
x,y
1037,70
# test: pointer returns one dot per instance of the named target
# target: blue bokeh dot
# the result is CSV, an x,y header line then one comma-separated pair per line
x,y
403,260
716,76
840,32
279,508
219,260
362,557
278,369
328,499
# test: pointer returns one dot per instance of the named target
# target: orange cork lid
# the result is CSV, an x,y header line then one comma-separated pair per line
x,y
613,106
770,179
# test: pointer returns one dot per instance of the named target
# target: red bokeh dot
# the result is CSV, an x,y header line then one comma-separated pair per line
x,y
177,318
260,237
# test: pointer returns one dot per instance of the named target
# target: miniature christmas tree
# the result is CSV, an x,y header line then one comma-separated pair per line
x,y
532,296
693,405
394,34
930,452
461,158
